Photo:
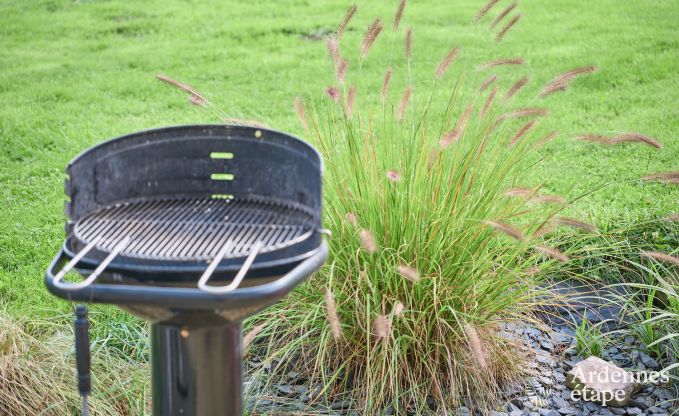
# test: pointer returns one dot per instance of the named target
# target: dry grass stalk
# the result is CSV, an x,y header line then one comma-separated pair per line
x,y
502,15
184,87
409,273
508,26
333,50
333,93
345,22
381,326
661,257
572,222
331,312
399,14
506,229
553,253
516,87
638,137
563,81
404,103
460,126
485,84
547,138
668,177
476,346
251,335
301,114
500,62
522,132
385,85
370,36
351,98
368,241
393,176
485,9
445,63
342,70
352,218
409,43
489,102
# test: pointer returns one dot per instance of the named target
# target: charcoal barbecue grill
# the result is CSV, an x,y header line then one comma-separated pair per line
x,y
192,228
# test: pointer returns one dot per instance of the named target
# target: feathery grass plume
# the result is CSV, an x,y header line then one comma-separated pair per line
x,y
409,43
352,218
333,93
385,85
398,309
301,114
506,229
476,346
197,101
573,222
553,253
370,36
409,273
672,218
331,312
546,138
342,70
351,98
638,137
520,192
522,132
544,229
368,241
500,62
381,326
399,14
460,126
562,82
655,255
485,84
596,138
501,34
668,177
502,15
242,122
184,87
333,50
525,112
345,22
532,271
485,9
251,335
516,87
393,176
404,103
445,63
547,199
489,102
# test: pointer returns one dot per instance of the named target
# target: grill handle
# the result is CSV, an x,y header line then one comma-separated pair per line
x,y
252,297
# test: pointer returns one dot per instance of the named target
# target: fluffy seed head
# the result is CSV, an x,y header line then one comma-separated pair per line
x,y
476,346
485,9
393,176
655,255
508,26
345,22
516,87
399,14
489,102
520,192
301,114
385,85
368,241
506,229
409,273
445,63
460,126
502,15
487,82
333,93
499,62
351,97
596,138
331,312
352,218
522,132
525,112
333,50
553,253
404,103
638,137
370,36
184,87
409,43
572,222
667,177
251,335
547,199
547,138
381,326
562,81
398,309
342,70
673,218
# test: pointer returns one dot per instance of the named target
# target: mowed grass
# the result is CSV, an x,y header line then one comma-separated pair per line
x,y
74,73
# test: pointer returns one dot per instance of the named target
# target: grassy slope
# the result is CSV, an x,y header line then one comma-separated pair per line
x,y
75,73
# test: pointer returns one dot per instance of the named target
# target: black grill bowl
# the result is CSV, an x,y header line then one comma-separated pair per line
x,y
179,193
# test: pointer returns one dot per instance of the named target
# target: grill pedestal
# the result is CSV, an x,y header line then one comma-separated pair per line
x,y
197,367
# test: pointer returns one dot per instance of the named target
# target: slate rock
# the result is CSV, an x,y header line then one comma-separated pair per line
x,y
600,381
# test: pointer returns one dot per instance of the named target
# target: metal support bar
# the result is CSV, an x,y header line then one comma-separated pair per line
x,y
202,283
99,270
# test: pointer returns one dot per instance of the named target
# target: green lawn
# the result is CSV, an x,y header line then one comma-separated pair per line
x,y
74,73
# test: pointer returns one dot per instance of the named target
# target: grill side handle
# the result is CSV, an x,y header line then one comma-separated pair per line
x,y
251,298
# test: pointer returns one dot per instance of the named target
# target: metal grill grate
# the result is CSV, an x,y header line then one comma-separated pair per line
x,y
195,229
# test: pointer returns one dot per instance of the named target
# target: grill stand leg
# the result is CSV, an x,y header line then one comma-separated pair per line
x,y
197,367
